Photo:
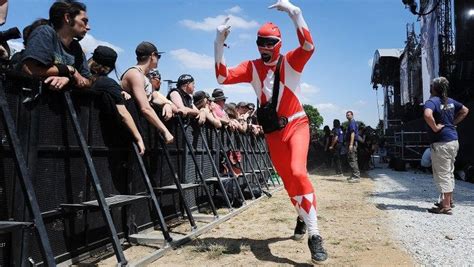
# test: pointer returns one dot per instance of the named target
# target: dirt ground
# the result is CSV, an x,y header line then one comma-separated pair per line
x,y
355,232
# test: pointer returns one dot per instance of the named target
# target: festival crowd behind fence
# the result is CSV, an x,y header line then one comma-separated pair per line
x,y
77,146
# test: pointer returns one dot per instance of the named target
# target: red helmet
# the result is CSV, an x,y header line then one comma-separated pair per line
x,y
269,40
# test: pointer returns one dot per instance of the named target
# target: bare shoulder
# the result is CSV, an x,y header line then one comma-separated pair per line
x,y
132,78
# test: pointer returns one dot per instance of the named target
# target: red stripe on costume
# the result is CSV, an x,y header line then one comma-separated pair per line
x,y
306,205
314,200
294,202
289,103
221,70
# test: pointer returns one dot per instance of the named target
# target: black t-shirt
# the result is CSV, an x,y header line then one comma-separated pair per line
x,y
111,87
45,47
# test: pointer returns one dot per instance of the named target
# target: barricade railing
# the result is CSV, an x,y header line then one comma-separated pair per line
x,y
82,164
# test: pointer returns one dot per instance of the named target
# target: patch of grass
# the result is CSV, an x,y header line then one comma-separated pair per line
x,y
245,247
211,250
215,251
200,247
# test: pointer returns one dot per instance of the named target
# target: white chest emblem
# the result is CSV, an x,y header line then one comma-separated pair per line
x,y
268,84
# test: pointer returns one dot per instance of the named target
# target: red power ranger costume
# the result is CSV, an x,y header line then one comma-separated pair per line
x,y
289,146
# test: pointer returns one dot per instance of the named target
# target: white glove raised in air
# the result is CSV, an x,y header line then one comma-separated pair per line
x,y
285,5
223,31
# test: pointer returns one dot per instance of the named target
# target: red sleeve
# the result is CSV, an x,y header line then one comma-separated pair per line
x,y
300,56
240,74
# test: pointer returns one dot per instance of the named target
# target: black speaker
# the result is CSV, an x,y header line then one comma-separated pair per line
x,y
466,70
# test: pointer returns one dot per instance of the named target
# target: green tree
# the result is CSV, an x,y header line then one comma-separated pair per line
x,y
314,117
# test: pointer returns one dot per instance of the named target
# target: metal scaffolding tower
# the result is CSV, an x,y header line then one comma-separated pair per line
x,y
446,38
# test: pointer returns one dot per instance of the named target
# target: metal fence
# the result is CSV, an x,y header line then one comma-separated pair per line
x,y
79,157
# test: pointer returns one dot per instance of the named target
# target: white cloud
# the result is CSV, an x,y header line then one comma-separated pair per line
x,y
234,9
15,46
361,103
307,88
246,36
327,107
307,93
370,62
193,60
211,23
89,43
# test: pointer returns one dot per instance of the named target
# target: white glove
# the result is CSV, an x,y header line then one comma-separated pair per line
x,y
285,5
223,31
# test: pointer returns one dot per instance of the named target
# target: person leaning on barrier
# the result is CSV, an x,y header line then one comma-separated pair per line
x,y
181,96
137,84
17,58
101,64
53,51
244,113
442,114
252,125
158,99
202,101
217,107
231,112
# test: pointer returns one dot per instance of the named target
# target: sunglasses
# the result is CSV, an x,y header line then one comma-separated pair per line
x,y
267,41
158,56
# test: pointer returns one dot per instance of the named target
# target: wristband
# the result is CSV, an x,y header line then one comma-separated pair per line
x,y
63,70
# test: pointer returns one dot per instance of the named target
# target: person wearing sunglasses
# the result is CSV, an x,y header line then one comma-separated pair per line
x,y
288,145
135,82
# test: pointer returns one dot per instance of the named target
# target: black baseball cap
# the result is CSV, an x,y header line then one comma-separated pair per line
x,y
146,49
184,79
200,95
105,56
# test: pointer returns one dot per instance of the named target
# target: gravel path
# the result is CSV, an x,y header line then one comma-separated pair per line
x,y
432,239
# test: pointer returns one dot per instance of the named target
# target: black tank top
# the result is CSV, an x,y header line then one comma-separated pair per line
x,y
187,100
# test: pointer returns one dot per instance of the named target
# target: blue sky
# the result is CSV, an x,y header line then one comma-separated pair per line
x,y
336,79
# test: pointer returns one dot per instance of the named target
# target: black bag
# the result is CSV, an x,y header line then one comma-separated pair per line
x,y
231,189
266,114
255,190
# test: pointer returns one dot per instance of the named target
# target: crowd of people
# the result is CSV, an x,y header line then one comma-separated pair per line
x,y
52,53
348,148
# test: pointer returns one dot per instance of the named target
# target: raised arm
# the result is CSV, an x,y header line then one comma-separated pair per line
x,y
298,57
135,81
224,75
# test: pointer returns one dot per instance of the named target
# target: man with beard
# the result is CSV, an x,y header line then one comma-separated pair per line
x,y
53,52
288,145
